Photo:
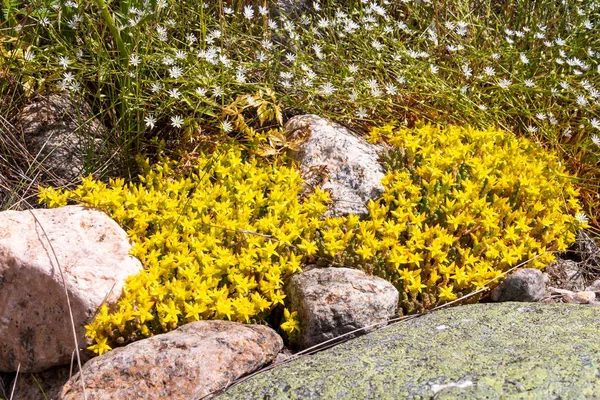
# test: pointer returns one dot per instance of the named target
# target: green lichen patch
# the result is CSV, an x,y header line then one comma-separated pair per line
x,y
491,351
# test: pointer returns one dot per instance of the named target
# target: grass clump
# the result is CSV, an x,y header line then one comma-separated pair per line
x,y
217,240
461,206
168,69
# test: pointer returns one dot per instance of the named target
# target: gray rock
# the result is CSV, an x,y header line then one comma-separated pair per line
x,y
93,257
487,351
565,274
352,172
527,284
594,286
334,301
61,134
187,363
45,385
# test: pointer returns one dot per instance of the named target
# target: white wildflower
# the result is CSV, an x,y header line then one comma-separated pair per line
x,y
64,61
504,83
218,92
226,126
362,113
581,100
28,55
327,89
595,123
391,89
467,71
532,129
191,38
581,218
449,25
174,93
529,83
377,45
176,121
162,33
248,12
134,60
175,72
596,140
433,68
489,71
524,58
155,87
150,121
200,91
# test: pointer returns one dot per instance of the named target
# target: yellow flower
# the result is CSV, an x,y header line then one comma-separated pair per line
x,y
446,293
100,347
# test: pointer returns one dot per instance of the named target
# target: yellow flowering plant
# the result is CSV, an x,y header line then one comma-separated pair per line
x,y
217,242
460,207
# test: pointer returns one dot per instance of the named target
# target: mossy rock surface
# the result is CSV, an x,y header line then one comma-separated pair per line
x,y
479,351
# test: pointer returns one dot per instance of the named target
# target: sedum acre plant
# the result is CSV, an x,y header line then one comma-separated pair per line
x,y
460,207
216,241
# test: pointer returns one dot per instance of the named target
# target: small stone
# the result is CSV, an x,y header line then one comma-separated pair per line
x,y
526,285
585,297
594,287
190,362
333,301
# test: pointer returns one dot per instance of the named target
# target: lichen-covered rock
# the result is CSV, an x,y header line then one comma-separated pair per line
x,y
334,301
527,284
61,133
93,256
190,362
45,385
351,168
479,351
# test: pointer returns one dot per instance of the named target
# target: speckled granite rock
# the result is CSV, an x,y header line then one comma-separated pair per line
x,y
187,363
480,351
352,170
334,301
93,253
